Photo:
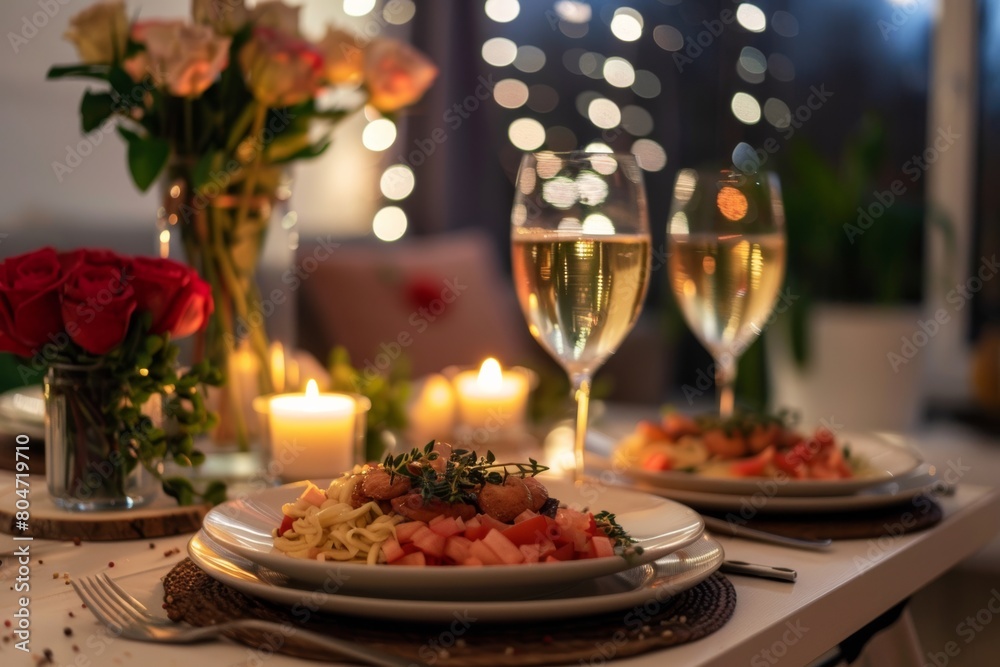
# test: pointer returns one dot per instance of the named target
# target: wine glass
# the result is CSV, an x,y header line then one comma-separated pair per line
x,y
581,259
727,261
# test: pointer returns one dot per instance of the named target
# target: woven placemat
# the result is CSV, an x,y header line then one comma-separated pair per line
x,y
192,596
912,516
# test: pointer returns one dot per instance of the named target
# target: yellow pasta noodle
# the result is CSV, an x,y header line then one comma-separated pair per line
x,y
335,530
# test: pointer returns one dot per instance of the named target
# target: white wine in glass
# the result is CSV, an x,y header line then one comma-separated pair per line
x,y
581,259
727,262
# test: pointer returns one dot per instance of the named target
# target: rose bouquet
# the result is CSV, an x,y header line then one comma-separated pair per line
x,y
219,105
103,326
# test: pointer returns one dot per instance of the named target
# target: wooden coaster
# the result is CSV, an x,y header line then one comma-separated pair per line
x,y
192,596
916,514
161,518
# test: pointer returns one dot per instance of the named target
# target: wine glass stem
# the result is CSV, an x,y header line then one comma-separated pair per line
x,y
581,391
725,378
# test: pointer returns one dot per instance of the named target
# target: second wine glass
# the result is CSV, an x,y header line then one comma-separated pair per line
x,y
581,258
727,261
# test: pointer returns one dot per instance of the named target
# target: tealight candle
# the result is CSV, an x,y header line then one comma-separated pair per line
x,y
313,435
492,399
431,416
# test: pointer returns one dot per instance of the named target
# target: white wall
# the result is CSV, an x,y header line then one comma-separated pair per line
x,y
39,121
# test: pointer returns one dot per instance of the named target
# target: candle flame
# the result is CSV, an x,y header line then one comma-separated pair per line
x,y
312,389
490,375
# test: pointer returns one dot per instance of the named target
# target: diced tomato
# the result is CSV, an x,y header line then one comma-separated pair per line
x,y
546,547
405,530
476,532
392,550
487,520
565,552
436,519
504,548
286,525
525,515
657,461
457,548
603,546
313,495
824,437
416,558
479,550
446,526
532,552
785,462
531,531
429,542
753,466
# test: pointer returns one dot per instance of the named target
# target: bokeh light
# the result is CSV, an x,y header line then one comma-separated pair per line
x,y
573,11
627,24
397,182
777,113
389,223
526,134
784,24
379,134
781,67
358,7
529,59
499,51
751,17
649,155
604,113
502,11
668,38
510,93
592,189
598,224
560,138
399,12
746,108
636,121
619,72
646,84
542,98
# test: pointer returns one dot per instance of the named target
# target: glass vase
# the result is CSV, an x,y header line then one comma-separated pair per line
x,y
222,229
89,460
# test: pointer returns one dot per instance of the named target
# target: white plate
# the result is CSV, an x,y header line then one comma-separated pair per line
x,y
658,525
667,576
886,455
921,482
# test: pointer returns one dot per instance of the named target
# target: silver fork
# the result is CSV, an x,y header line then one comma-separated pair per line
x,y
129,618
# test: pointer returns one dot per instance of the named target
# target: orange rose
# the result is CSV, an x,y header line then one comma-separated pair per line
x,y
281,70
396,74
343,58
276,15
224,16
185,58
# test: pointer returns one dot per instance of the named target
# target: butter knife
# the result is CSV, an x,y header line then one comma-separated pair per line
x,y
738,530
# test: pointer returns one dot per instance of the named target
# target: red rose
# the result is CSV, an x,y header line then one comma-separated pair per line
x,y
29,291
179,301
97,307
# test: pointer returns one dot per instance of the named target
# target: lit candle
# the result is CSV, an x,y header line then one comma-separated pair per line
x,y
244,379
431,416
313,435
492,399
278,374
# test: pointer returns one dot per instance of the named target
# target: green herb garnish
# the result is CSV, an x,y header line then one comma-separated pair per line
x,y
607,523
465,471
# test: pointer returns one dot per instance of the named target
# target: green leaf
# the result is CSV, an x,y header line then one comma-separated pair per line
x,y
215,493
307,153
86,71
146,157
95,108
123,84
179,488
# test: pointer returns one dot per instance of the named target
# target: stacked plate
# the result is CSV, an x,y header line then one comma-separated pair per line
x,y
235,547
893,473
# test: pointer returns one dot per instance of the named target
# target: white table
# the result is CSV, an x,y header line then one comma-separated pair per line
x,y
837,592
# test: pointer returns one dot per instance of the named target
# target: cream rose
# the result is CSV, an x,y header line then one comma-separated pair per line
x,y
277,15
100,33
344,60
184,58
396,74
224,16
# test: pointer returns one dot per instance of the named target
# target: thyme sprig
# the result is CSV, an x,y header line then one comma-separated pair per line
x,y
609,525
745,422
465,472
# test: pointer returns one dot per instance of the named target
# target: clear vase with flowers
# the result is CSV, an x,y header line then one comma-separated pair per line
x,y
220,105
